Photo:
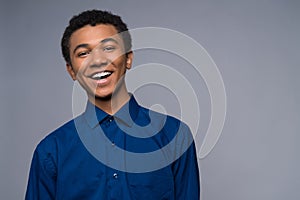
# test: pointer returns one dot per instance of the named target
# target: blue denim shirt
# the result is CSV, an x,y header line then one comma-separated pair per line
x,y
71,163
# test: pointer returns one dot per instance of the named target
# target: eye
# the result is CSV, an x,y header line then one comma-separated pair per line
x,y
109,48
83,54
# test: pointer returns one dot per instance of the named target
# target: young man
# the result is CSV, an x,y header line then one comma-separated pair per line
x,y
75,162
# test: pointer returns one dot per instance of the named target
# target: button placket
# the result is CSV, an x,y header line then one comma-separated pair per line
x,y
115,175
108,121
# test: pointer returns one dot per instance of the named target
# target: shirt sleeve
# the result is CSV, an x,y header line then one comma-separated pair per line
x,y
42,177
187,183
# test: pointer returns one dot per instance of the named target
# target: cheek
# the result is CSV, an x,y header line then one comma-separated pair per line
x,y
78,66
120,62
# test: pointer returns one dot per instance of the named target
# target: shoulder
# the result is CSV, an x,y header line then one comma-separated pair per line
x,y
169,125
67,131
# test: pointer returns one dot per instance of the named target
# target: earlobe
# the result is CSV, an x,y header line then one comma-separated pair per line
x,y
129,60
71,71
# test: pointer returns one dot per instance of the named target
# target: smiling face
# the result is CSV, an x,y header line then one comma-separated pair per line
x,y
99,61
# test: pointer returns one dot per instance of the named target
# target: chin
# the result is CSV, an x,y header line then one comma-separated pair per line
x,y
94,95
103,97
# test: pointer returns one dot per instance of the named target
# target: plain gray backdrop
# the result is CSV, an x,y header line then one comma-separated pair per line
x,y
254,43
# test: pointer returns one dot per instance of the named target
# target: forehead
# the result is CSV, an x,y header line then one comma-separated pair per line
x,y
92,35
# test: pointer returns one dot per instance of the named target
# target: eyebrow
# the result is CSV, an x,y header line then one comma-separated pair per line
x,y
102,42
109,40
80,46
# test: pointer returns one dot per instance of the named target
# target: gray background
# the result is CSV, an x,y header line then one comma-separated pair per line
x,y
255,44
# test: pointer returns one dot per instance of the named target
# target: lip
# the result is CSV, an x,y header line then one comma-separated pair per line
x,y
101,82
97,72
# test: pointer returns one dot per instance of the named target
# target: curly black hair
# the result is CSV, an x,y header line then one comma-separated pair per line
x,y
93,18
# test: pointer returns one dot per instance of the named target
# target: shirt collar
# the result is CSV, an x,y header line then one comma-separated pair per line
x,y
126,114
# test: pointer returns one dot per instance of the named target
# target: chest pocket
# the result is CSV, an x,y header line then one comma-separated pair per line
x,y
158,185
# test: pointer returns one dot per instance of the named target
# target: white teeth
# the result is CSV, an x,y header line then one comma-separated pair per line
x,y
101,74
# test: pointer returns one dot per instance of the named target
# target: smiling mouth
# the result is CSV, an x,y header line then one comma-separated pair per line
x,y
100,75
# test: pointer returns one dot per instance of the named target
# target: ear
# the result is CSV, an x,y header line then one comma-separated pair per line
x,y
129,58
71,71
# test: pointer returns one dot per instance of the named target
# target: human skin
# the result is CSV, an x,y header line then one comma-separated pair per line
x,y
99,51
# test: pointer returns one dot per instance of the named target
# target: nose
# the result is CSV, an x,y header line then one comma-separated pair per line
x,y
97,58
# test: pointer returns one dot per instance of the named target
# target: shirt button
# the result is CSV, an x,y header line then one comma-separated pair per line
x,y
110,120
115,175
113,144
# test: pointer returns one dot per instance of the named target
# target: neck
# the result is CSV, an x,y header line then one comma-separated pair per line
x,y
112,103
